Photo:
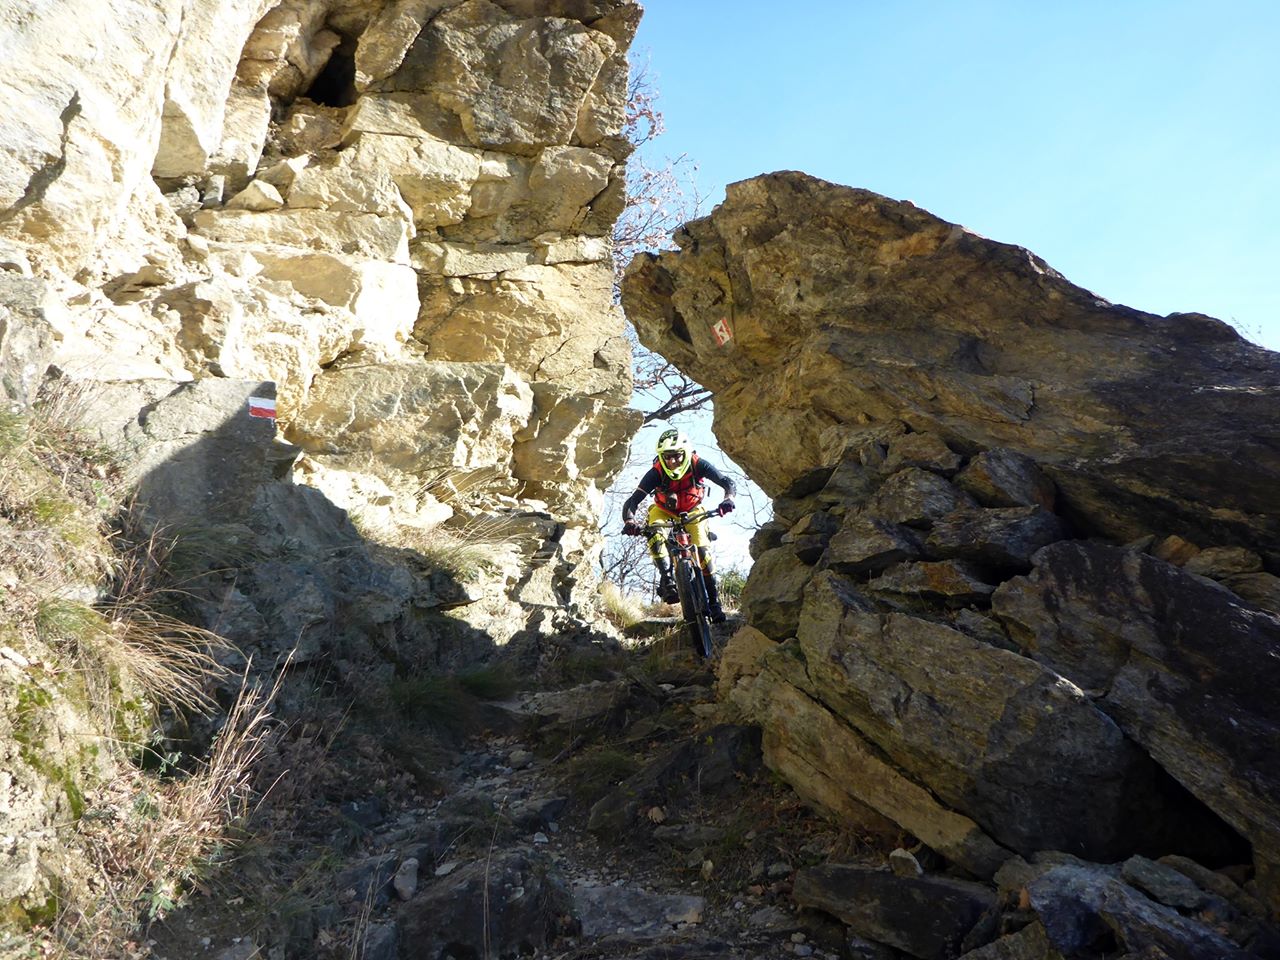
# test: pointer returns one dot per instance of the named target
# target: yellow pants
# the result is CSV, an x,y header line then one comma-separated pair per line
x,y
697,535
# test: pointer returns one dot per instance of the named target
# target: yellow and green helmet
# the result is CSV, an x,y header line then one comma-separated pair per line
x,y
674,454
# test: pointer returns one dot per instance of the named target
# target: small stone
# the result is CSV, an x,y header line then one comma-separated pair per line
x,y
446,868
212,191
904,864
541,837
258,196
802,950
779,870
405,881
519,759
1173,549
798,937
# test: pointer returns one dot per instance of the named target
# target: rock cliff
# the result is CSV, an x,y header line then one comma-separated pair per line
x,y
394,215
333,279
1020,591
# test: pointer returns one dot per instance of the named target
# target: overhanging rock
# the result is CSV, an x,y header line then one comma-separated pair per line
x,y
847,309
943,420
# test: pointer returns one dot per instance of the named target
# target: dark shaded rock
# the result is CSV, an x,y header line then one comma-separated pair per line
x,y
767,536
370,879
598,705
1086,910
810,536
801,496
1029,943
851,484
697,948
928,451
916,498
1216,883
1163,884
1220,563
866,545
1187,671
832,766
708,762
368,812
856,948
1262,590
774,592
689,836
926,917
514,903
993,734
193,449
539,813
983,627
953,583
635,914
1006,478
1004,539
379,942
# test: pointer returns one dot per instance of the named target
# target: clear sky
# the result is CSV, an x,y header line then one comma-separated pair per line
x,y
1133,144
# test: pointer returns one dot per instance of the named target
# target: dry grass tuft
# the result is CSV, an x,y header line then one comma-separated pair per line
x,y
147,841
465,552
620,609
94,621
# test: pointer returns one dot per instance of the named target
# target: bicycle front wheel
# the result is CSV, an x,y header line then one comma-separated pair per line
x,y
693,605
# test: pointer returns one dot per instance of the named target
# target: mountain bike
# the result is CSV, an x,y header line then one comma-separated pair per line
x,y
686,571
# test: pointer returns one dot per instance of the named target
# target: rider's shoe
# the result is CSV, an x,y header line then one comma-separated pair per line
x,y
666,588
716,613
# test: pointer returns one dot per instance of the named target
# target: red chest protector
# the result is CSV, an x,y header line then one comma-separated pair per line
x,y
679,496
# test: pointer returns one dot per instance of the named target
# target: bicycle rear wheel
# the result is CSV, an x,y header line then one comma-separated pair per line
x,y
693,605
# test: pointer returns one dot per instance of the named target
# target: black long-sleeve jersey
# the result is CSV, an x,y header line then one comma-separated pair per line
x,y
655,478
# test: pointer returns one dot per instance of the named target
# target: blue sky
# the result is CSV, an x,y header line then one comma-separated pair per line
x,y
1134,145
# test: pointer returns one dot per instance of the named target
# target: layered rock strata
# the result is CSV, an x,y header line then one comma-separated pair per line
x,y
399,213
1019,591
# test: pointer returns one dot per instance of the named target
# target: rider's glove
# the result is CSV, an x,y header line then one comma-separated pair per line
x,y
726,506
631,529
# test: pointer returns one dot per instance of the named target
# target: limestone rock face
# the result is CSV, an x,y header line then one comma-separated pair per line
x,y
396,213
967,615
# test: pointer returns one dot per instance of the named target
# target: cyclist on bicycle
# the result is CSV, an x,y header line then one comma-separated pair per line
x,y
676,482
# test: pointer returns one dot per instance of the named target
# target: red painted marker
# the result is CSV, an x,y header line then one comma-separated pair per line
x,y
264,407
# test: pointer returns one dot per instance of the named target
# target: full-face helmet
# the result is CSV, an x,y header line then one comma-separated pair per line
x,y
674,454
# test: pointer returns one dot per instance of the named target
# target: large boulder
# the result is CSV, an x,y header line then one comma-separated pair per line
x,y
991,733
1145,422
958,439
925,917
1185,667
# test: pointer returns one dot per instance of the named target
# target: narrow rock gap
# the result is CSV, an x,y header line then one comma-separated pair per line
x,y
335,85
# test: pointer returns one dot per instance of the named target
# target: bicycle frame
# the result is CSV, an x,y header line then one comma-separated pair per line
x,y
687,572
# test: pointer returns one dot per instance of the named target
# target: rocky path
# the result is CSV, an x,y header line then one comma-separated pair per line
x,y
612,818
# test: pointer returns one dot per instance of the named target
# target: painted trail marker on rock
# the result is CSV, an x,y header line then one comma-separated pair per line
x,y
721,331
264,407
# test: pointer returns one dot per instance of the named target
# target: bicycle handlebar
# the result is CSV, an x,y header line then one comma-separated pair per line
x,y
687,520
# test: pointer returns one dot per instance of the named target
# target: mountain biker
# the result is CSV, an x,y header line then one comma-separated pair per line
x,y
676,482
